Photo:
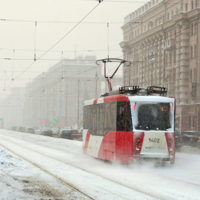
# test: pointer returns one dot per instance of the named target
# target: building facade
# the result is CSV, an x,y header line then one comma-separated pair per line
x,y
55,98
11,108
162,41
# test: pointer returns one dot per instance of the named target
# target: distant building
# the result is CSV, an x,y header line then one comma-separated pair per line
x,y
56,97
11,108
168,30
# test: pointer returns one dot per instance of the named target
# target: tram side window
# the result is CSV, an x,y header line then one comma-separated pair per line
x,y
85,117
110,117
100,119
129,126
94,120
121,107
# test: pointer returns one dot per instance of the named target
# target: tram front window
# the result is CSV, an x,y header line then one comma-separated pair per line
x,y
148,116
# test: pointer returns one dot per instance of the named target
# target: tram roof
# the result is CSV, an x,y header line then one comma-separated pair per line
x,y
121,97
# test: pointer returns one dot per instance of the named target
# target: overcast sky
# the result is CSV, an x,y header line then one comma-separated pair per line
x,y
19,36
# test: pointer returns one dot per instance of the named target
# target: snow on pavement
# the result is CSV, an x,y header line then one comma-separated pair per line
x,y
21,180
105,180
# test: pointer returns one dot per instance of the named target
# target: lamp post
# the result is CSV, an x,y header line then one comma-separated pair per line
x,y
78,105
152,59
96,77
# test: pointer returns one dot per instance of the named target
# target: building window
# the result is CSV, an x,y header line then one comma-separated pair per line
x,y
191,75
186,7
195,50
166,59
168,16
189,120
195,75
192,5
193,120
191,29
170,58
175,57
191,52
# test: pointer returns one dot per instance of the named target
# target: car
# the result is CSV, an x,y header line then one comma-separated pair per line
x,y
55,132
30,130
178,139
14,128
191,138
66,133
21,129
46,131
37,130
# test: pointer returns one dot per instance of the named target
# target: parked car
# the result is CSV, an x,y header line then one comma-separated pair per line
x,y
55,132
66,133
46,131
178,139
76,133
14,128
191,138
21,129
37,130
30,130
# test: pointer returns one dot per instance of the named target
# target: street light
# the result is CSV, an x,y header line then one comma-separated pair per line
x,y
96,77
152,59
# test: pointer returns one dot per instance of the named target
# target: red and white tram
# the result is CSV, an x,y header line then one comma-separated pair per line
x,y
133,124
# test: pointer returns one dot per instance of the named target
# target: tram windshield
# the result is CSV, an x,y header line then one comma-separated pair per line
x,y
152,116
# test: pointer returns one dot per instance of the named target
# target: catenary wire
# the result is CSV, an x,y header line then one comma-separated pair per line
x,y
56,42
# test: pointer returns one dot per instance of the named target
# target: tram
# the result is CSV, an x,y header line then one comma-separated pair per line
x,y
130,124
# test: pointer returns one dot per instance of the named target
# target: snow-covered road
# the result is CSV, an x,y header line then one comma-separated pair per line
x,y
101,180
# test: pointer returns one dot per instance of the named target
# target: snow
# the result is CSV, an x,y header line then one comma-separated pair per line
x,y
21,180
101,180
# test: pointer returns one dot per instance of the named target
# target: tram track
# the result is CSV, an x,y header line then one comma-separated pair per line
x,y
71,186
154,196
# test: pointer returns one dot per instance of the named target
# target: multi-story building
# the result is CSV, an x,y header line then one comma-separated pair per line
x,y
11,108
55,98
162,40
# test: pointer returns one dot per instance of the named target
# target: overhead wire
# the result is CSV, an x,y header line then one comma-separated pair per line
x,y
56,42
130,52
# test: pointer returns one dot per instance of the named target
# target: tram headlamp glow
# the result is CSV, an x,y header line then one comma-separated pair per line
x,y
137,144
133,106
170,144
171,107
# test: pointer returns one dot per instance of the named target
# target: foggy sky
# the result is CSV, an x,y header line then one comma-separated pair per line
x,y
20,37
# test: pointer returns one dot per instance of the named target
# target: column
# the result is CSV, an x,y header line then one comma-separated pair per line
x,y
184,64
178,53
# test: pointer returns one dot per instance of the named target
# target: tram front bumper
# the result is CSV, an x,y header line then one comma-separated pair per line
x,y
155,156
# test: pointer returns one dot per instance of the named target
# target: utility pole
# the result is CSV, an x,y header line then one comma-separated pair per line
x,y
96,77
66,102
152,59
78,106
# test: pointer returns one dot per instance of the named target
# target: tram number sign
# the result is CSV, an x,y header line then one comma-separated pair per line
x,y
154,140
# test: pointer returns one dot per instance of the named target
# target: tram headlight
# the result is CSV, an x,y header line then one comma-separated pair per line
x,y
137,144
170,144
